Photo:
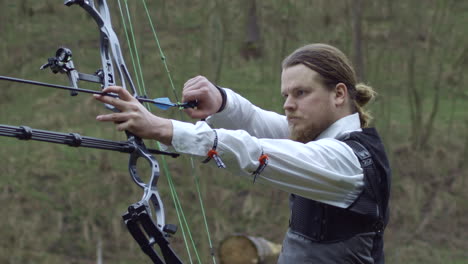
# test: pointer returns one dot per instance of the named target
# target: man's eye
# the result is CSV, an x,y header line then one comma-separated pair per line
x,y
300,92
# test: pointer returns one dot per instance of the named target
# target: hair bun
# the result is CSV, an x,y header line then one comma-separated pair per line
x,y
364,94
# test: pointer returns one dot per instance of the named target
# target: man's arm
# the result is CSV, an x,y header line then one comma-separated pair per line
x,y
232,111
239,113
325,170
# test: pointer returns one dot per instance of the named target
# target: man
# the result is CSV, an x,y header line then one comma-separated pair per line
x,y
321,152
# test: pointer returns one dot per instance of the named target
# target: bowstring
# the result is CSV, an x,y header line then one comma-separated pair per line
x,y
132,56
195,175
142,90
141,86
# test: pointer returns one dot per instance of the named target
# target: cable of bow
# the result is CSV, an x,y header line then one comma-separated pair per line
x,y
130,36
131,40
195,175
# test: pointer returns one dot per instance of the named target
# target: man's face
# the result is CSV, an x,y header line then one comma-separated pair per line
x,y
309,105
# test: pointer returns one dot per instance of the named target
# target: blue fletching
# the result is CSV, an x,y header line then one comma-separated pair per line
x,y
163,103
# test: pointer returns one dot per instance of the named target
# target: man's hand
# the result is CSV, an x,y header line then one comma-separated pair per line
x,y
134,117
205,93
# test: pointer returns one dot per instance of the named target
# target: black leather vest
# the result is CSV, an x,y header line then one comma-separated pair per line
x,y
324,223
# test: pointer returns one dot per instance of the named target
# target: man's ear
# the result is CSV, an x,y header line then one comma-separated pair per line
x,y
341,94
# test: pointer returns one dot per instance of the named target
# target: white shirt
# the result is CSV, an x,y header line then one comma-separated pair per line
x,y
324,170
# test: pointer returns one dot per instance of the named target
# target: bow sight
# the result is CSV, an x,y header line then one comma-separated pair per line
x,y
63,63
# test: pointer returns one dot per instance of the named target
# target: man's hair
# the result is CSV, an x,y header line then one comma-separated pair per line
x,y
334,67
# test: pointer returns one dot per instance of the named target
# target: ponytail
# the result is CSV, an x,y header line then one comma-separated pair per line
x,y
364,94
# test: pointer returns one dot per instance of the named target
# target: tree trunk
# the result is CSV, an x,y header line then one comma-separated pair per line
x,y
252,44
357,39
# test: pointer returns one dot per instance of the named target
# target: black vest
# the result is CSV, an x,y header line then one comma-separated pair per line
x,y
324,223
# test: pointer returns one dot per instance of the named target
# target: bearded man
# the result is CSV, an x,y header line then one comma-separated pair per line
x,y
321,151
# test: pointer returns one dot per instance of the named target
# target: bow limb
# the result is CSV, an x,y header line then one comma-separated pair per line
x,y
110,45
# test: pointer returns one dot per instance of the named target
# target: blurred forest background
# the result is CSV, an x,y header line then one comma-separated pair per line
x,y
60,204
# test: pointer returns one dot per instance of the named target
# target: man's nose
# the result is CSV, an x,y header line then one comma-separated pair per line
x,y
289,104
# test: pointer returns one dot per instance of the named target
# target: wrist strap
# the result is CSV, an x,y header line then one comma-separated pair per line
x,y
223,97
213,154
263,159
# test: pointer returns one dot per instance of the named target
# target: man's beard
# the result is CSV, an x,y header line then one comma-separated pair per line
x,y
303,135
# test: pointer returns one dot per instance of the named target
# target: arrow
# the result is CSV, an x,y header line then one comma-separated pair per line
x,y
162,103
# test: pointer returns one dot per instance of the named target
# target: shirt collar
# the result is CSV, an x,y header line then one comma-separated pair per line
x,y
341,127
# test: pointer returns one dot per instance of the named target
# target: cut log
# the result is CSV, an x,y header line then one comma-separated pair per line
x,y
243,249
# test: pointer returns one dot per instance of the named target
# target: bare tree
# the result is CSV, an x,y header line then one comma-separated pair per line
x,y
356,8
212,53
252,44
428,66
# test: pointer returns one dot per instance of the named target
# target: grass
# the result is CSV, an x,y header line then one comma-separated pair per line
x,y
61,200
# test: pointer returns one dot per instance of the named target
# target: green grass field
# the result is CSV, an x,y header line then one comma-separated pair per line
x,y
59,203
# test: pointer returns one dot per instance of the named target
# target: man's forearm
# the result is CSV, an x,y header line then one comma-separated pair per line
x,y
240,113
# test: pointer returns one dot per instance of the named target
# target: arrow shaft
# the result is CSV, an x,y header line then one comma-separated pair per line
x,y
57,86
69,88
81,90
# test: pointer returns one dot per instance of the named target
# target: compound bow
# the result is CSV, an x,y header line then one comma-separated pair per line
x,y
145,219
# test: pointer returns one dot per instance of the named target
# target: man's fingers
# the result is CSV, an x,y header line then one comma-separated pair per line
x,y
198,91
202,90
115,117
193,80
123,93
119,104
188,96
123,126
196,84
